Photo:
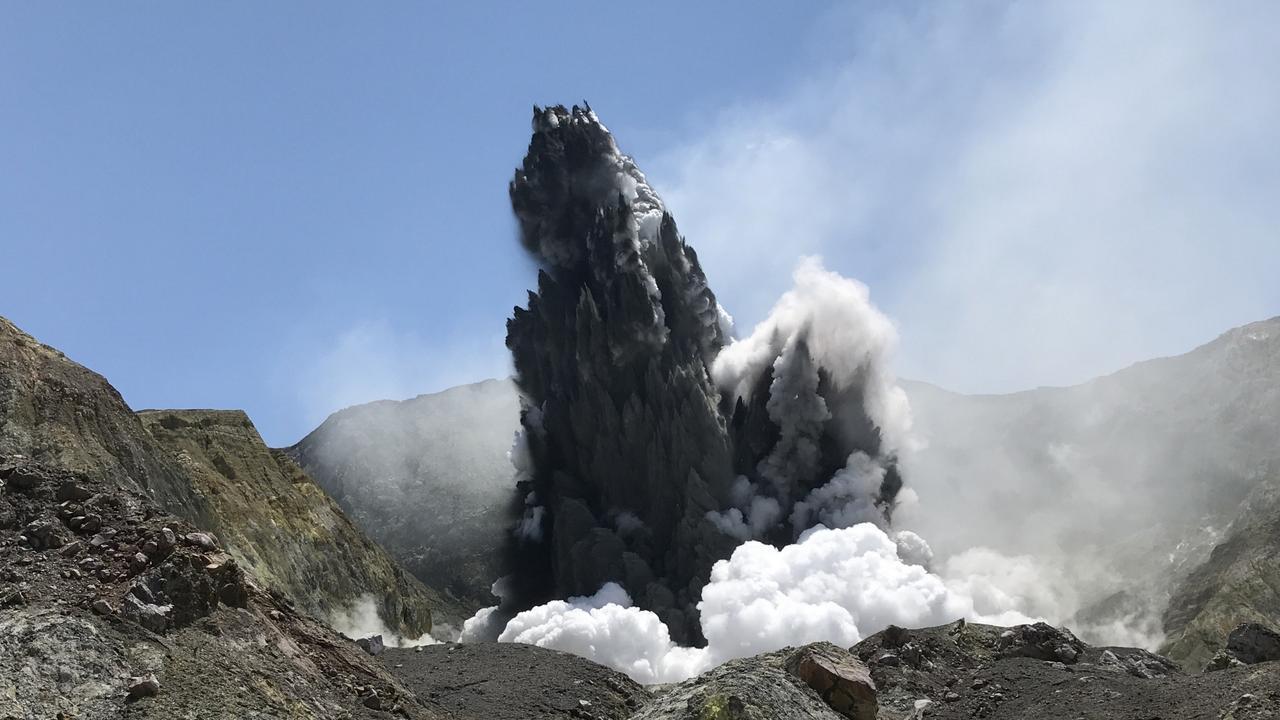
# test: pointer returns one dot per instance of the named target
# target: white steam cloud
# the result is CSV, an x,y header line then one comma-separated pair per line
x,y
361,619
845,335
838,585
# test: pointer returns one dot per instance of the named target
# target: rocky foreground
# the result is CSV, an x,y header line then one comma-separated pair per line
x,y
961,670
110,607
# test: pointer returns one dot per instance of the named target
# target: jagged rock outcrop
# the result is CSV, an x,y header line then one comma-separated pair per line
x,y
57,412
284,529
633,458
428,479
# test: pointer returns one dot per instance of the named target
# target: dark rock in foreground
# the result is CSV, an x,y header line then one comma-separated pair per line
x,y
507,681
982,671
140,615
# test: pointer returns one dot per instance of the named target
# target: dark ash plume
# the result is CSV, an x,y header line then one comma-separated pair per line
x,y
651,445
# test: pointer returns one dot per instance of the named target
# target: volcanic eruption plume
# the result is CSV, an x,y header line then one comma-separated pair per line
x,y
653,443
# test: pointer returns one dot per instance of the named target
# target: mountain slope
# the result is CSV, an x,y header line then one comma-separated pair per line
x,y
1122,484
113,603
283,528
1238,583
56,412
428,478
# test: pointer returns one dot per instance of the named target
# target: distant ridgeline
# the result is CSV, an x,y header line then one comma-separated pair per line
x,y
651,445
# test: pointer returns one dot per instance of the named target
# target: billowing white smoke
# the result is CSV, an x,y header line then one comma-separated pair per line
x,y
825,322
361,620
845,335
834,584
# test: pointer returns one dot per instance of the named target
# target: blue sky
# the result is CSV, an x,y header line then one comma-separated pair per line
x,y
291,207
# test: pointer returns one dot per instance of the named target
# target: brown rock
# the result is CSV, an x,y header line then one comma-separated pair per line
x,y
842,681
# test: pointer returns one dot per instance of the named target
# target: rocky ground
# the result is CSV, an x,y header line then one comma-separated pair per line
x,y
982,671
493,681
953,671
111,608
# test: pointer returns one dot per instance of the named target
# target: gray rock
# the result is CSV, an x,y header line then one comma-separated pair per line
x,y
756,688
72,490
204,541
1040,641
1252,643
8,516
372,645
1221,661
145,686
149,615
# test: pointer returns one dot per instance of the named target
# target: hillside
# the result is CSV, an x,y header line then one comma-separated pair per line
x,y
285,529
428,478
1127,481
116,601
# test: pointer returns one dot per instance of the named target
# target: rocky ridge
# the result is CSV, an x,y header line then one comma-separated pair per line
x,y
284,529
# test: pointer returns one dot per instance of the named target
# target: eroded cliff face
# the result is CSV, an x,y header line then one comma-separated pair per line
x,y
637,463
281,526
55,411
212,469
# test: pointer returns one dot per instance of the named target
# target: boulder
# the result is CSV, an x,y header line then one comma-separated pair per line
x,y
145,686
1040,641
756,688
72,490
202,540
1253,643
150,616
372,645
839,678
